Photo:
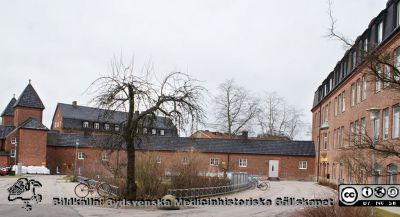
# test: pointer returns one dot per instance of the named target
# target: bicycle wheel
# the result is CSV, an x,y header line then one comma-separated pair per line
x,y
81,190
263,186
104,190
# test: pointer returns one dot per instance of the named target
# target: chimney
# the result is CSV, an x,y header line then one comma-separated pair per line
x,y
245,134
74,103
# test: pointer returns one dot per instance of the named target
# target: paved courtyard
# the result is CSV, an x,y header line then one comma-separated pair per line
x,y
54,188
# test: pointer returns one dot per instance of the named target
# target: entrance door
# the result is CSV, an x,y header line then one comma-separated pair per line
x,y
273,168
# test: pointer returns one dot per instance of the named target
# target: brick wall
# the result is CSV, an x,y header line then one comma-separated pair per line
x,y
21,114
8,120
32,147
64,157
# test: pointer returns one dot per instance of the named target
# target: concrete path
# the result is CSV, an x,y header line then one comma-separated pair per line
x,y
52,188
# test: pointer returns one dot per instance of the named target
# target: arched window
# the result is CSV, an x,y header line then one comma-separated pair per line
x,y
392,174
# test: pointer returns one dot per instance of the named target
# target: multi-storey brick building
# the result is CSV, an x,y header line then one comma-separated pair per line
x,y
69,145
353,103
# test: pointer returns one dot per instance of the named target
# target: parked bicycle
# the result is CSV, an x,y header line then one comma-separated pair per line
x,y
261,183
87,186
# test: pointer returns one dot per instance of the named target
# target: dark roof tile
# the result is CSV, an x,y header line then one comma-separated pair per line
x,y
270,147
9,110
32,123
5,130
29,98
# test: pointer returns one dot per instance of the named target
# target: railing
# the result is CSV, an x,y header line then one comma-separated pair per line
x,y
114,189
208,192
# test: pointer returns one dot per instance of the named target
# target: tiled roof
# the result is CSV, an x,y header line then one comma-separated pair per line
x,y
29,98
9,110
73,115
5,130
270,147
32,123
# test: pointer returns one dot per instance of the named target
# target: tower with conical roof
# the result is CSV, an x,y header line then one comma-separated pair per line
x,y
28,105
7,116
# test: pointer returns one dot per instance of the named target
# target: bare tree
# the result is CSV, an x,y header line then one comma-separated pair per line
x,y
278,119
235,108
177,96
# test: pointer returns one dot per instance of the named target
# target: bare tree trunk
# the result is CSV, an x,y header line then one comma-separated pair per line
x,y
130,179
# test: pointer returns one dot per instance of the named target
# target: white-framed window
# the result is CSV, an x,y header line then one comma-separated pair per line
x,y
13,153
395,127
81,155
364,87
162,132
104,156
386,76
145,130
377,125
243,162
356,131
13,140
116,127
358,93
153,131
379,29
185,161
385,127
214,161
158,159
334,138
343,101
396,76
363,130
366,44
351,133
377,84
96,126
353,94
85,124
107,126
303,165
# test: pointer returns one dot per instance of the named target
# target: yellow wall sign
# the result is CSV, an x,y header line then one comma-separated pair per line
x,y
324,159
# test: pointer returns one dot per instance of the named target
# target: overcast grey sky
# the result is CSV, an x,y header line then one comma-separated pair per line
x,y
264,45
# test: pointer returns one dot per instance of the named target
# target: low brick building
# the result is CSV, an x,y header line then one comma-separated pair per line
x,y
70,145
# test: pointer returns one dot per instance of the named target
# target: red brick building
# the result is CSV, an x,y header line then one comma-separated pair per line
x,y
69,146
23,137
352,103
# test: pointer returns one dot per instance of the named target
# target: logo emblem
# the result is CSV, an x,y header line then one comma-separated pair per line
x,y
349,195
25,190
367,192
392,192
380,192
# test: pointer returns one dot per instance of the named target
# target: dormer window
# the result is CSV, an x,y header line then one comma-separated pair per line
x,y
85,124
162,132
106,126
14,141
379,32
117,127
96,126
153,131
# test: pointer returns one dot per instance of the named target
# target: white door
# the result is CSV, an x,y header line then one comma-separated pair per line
x,y
273,168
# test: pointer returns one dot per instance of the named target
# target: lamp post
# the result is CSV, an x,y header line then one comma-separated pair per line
x,y
76,155
373,115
